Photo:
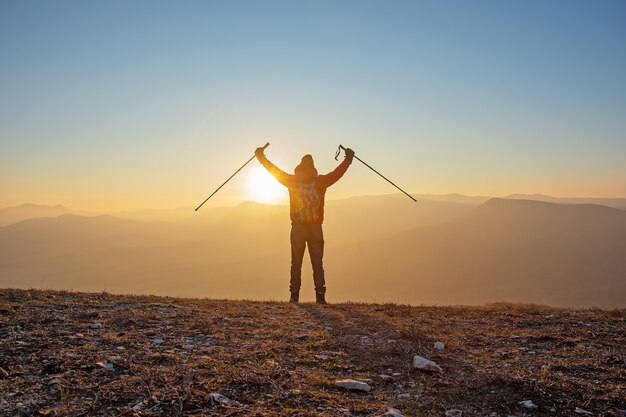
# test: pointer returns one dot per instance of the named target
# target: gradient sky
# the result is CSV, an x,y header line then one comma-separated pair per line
x,y
148,104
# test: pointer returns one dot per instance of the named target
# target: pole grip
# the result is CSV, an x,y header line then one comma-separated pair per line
x,y
266,145
338,152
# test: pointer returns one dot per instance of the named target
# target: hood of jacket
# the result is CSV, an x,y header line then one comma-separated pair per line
x,y
306,170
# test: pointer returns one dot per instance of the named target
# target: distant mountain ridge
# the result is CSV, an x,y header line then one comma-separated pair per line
x,y
10,215
619,203
377,248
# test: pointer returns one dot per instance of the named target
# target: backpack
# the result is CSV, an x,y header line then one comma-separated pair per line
x,y
307,202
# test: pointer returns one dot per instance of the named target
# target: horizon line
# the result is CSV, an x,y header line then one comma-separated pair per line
x,y
286,203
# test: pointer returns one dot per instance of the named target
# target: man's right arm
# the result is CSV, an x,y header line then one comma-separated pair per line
x,y
280,175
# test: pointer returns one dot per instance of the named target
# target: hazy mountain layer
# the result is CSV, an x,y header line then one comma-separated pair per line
x,y
10,215
511,250
383,248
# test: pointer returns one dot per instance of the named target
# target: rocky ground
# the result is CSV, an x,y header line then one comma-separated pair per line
x,y
76,354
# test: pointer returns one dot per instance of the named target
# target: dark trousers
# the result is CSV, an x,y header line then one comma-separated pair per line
x,y
301,235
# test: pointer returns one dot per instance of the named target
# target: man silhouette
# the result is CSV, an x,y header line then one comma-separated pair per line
x,y
306,208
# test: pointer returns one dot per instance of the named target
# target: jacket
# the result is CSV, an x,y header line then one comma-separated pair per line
x,y
306,188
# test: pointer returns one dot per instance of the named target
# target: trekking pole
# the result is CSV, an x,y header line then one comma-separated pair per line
x,y
218,188
364,163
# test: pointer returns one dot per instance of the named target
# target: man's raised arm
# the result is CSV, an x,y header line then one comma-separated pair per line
x,y
280,175
334,176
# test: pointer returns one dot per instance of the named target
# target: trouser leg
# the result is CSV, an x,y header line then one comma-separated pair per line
x,y
298,244
316,251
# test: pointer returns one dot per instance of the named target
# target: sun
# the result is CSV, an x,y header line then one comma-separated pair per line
x,y
263,188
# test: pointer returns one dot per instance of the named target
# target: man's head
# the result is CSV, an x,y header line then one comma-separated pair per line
x,y
306,170
307,160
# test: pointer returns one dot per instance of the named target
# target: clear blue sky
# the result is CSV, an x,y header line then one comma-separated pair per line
x,y
134,104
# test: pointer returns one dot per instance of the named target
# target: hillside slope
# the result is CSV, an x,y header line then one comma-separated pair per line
x,y
78,354
504,250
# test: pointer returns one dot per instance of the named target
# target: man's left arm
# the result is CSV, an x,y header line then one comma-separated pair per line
x,y
334,176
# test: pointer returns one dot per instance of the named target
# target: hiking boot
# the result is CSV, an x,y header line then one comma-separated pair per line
x,y
320,299
295,297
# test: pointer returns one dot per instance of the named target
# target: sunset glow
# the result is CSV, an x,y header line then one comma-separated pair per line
x,y
263,188
487,99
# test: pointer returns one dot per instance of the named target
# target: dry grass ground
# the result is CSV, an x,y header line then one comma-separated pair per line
x,y
156,356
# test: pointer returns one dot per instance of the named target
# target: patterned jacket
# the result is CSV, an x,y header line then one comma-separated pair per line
x,y
306,188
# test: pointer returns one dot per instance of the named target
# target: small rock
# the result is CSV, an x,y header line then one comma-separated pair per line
x,y
527,404
218,398
353,385
105,365
424,364
188,346
302,336
439,345
322,357
139,406
404,396
365,340
96,326
454,413
385,377
579,410
157,341
579,346
390,412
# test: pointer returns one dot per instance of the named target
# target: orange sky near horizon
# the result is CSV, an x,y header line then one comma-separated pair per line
x,y
120,106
